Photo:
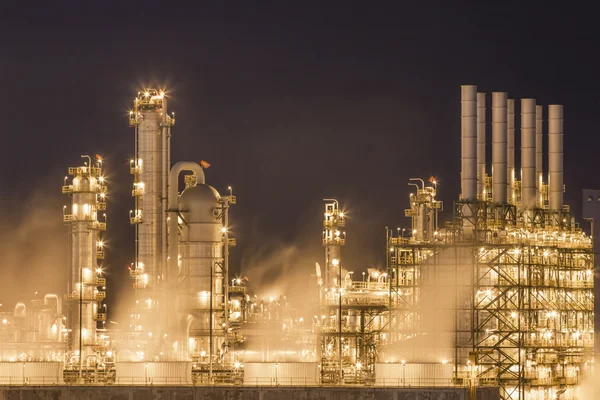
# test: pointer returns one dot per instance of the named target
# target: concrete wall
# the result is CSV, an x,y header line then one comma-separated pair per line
x,y
242,393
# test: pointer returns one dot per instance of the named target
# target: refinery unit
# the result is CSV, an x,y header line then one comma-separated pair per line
x,y
502,294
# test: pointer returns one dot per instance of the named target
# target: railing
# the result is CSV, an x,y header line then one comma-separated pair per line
x,y
261,382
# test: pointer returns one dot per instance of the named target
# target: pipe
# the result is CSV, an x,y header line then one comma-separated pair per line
x,y
539,151
510,157
528,154
469,142
481,145
499,147
555,156
173,197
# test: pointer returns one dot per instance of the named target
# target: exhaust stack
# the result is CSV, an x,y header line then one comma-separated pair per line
x,y
555,156
528,154
499,147
510,159
539,172
469,142
481,145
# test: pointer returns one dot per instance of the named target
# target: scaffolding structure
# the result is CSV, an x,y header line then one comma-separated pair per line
x,y
517,297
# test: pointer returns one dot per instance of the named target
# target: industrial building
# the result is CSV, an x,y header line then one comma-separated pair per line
x,y
501,295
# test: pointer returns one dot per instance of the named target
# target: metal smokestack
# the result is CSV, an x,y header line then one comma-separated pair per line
x,y
510,158
555,156
469,142
528,154
481,145
539,171
499,147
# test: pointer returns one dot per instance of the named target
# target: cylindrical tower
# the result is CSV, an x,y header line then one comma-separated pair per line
x,y
150,168
539,112
510,157
481,146
555,155
201,265
333,240
86,286
528,181
499,147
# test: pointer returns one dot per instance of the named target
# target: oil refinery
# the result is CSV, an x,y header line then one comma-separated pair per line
x,y
496,301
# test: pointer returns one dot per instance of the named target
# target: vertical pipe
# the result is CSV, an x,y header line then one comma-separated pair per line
x,y
481,145
539,169
469,142
499,147
555,156
528,154
510,157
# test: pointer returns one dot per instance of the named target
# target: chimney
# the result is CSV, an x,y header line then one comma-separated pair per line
x,y
469,142
539,172
510,158
528,154
555,156
481,145
499,147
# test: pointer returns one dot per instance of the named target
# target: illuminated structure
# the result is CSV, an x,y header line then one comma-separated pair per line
x,y
86,289
502,294
512,273
182,250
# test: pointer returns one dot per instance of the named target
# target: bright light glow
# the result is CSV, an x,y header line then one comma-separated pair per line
x,y
147,94
100,244
444,362
335,262
342,214
223,229
98,270
109,353
358,366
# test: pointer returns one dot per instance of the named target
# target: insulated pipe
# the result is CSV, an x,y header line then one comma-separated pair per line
x,y
510,157
469,142
481,145
539,169
499,147
528,154
555,156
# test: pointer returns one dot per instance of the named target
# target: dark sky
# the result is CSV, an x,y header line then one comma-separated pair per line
x,y
289,101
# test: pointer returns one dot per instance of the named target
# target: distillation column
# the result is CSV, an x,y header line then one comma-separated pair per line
x,y
150,170
86,285
499,147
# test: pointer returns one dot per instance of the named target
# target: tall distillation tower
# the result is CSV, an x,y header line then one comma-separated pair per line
x,y
150,169
86,286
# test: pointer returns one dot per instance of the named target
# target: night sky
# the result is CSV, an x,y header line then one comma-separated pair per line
x,y
290,102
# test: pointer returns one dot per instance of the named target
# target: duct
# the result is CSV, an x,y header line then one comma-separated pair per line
x,y
539,172
469,142
555,156
499,147
510,157
481,145
528,154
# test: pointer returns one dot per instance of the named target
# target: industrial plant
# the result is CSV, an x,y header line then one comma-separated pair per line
x,y
500,295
